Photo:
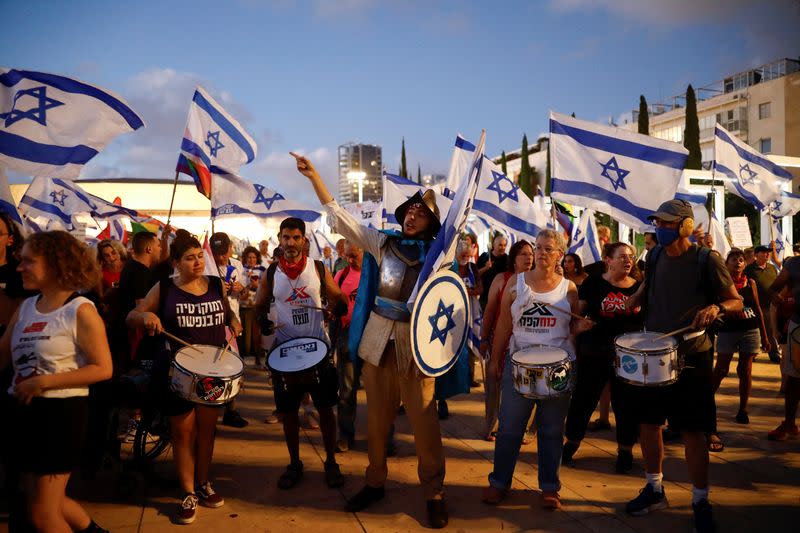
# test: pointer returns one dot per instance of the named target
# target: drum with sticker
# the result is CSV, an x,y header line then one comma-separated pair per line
x,y
646,359
206,374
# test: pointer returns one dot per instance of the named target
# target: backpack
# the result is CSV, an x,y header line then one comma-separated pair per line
x,y
323,290
703,279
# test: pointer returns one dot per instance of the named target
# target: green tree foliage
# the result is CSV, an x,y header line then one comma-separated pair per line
x,y
403,168
525,171
644,116
691,134
503,163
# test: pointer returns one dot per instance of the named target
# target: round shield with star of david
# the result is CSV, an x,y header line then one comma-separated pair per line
x,y
439,323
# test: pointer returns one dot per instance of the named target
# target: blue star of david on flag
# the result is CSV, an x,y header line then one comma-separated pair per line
x,y
775,209
213,138
779,247
747,176
442,311
58,197
502,194
266,201
38,113
620,172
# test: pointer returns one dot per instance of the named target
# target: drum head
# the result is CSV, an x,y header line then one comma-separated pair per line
x,y
297,354
207,360
439,323
646,341
540,355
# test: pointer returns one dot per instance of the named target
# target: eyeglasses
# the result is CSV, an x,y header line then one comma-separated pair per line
x,y
624,256
545,249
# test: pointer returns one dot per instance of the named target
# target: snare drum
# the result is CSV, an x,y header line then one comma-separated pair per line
x,y
645,360
298,362
203,374
542,372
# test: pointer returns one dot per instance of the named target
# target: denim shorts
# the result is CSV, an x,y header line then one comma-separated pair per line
x,y
745,342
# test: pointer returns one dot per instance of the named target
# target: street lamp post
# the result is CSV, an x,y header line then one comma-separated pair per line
x,y
358,176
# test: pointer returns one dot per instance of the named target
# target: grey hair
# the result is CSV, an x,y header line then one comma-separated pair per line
x,y
463,246
554,235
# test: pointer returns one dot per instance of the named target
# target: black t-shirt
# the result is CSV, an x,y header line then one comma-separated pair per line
x,y
499,264
11,281
743,320
604,306
135,281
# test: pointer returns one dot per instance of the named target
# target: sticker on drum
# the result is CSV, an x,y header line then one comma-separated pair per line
x,y
629,364
559,378
210,389
297,354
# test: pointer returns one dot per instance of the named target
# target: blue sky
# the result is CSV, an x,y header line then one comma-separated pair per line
x,y
311,74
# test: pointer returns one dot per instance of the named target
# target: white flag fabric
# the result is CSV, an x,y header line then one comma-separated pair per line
x,y
233,195
443,249
52,125
368,213
7,204
498,200
786,206
712,226
624,174
397,190
213,143
751,175
584,241
60,200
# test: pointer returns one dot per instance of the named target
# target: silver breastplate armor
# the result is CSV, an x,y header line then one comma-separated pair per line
x,y
398,275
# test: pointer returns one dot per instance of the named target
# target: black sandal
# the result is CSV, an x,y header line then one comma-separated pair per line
x,y
333,476
715,443
293,474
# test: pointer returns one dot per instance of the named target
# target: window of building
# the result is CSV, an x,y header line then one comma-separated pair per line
x,y
765,146
763,110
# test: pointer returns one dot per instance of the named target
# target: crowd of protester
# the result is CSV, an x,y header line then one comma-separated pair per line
x,y
109,300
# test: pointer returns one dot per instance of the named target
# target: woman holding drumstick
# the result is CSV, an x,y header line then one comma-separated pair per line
x,y
538,307
192,307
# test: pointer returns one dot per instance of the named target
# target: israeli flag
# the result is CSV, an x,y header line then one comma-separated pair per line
x,y
584,242
397,190
786,206
711,224
367,213
751,175
443,249
498,200
213,142
53,125
60,200
233,195
624,174
7,204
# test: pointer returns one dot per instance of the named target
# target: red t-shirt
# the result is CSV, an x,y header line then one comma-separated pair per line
x,y
349,288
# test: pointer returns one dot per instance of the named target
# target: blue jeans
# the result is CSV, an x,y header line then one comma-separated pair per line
x,y
515,410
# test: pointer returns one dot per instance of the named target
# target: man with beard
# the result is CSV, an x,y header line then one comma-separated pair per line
x,y
390,374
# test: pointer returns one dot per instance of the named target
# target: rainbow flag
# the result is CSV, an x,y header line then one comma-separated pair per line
x,y
137,227
213,143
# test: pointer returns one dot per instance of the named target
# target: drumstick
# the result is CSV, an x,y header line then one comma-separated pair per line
x,y
225,349
556,308
312,307
671,333
176,339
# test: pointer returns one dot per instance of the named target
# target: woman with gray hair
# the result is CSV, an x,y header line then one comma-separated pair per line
x,y
537,308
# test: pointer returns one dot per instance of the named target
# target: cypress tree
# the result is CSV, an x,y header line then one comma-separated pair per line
x,y
503,163
644,116
525,171
403,169
419,174
691,134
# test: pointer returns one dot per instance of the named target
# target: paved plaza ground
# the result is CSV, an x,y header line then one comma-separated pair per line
x,y
754,481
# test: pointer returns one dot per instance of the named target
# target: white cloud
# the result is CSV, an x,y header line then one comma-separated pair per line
x,y
660,12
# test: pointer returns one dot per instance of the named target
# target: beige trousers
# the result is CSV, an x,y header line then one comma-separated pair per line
x,y
385,388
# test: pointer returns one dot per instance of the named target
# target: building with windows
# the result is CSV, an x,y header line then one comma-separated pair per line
x,y
761,106
360,163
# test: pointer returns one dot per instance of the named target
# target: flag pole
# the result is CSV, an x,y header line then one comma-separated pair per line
x,y
172,200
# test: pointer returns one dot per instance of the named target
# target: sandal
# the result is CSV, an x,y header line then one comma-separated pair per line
x,y
309,422
333,476
598,425
715,444
493,495
491,437
293,474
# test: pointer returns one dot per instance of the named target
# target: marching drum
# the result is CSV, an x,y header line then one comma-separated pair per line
x,y
298,361
542,372
203,374
644,359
